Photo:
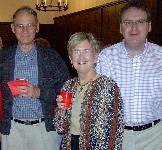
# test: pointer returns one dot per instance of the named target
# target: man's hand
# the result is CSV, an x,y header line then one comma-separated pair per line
x,y
29,91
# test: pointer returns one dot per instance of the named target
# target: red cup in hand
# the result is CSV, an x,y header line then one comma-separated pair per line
x,y
67,97
13,86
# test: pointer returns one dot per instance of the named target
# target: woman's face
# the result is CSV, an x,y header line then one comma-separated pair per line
x,y
83,57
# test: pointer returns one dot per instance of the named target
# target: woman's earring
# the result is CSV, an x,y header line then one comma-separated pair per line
x,y
71,63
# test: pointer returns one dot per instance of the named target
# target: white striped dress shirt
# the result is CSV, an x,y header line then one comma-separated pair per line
x,y
139,79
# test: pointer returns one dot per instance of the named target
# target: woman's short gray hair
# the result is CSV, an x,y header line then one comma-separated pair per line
x,y
78,37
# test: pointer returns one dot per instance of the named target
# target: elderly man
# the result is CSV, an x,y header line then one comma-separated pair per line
x,y
28,118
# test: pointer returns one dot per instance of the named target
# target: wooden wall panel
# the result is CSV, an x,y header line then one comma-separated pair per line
x,y
91,22
73,24
86,21
159,23
110,25
60,36
102,21
47,31
153,6
6,33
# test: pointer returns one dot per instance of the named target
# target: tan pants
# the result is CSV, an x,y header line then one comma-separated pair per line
x,y
30,137
149,139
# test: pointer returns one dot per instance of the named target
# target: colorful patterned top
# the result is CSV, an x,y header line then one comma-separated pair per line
x,y
101,118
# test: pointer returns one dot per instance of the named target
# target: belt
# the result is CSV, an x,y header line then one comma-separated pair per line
x,y
27,122
142,127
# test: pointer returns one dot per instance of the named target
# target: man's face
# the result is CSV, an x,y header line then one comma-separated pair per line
x,y
25,27
135,27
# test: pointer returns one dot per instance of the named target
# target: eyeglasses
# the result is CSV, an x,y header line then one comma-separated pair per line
x,y
85,52
130,23
29,26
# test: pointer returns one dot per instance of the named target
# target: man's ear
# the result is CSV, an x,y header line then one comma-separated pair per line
x,y
37,28
96,57
150,27
13,27
121,29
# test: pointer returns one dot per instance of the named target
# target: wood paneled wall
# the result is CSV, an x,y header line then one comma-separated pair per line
x,y
158,29
6,34
47,31
103,22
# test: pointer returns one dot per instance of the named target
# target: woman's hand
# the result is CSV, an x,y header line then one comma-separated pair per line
x,y
59,102
60,105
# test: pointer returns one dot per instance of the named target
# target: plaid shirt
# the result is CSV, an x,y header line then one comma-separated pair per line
x,y
139,79
52,73
26,67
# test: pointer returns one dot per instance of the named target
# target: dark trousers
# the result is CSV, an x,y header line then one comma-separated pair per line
x,y
74,142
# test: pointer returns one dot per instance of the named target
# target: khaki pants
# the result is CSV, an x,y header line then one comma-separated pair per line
x,y
30,137
149,139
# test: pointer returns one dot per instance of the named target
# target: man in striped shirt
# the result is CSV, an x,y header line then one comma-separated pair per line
x,y
136,65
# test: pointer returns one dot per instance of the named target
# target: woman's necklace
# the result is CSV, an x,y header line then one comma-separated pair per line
x,y
82,86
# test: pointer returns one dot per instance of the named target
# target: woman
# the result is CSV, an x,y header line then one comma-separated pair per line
x,y
95,119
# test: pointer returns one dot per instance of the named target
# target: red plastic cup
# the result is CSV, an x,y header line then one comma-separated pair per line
x,y
13,86
67,97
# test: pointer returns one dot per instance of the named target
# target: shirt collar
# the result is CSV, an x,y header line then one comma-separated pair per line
x,y
29,54
141,55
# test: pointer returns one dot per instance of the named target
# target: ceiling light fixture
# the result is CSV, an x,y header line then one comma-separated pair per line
x,y
49,5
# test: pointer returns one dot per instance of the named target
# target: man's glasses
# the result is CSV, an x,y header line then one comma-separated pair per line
x,y
130,23
29,26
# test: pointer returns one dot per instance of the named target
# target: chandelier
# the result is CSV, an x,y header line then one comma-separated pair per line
x,y
49,5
